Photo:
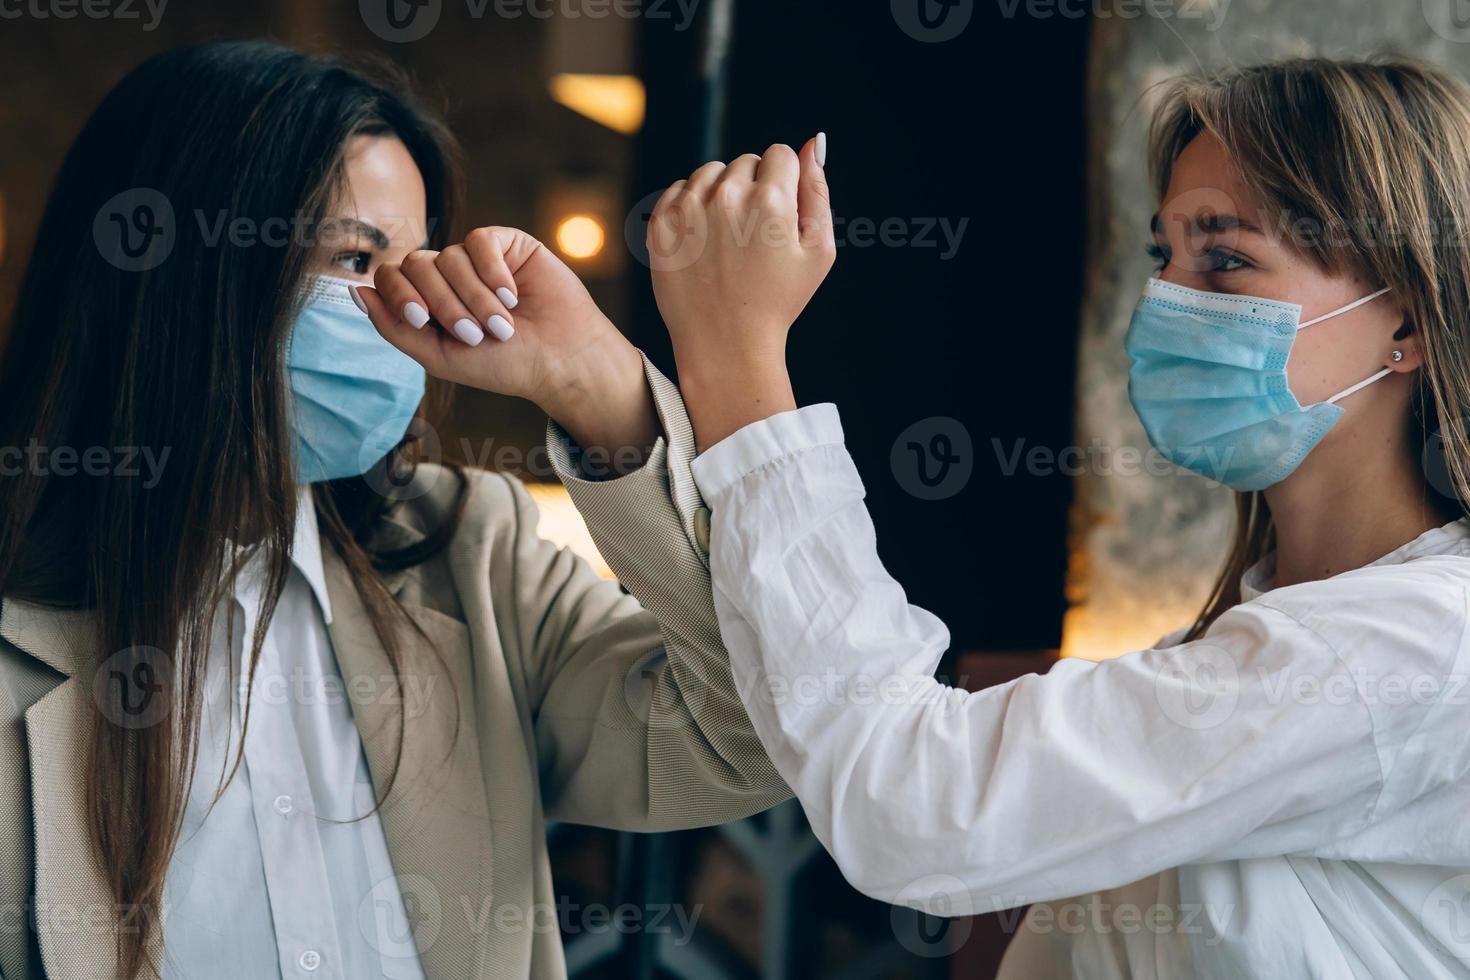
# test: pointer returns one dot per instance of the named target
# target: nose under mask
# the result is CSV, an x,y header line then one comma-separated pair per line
x,y
353,394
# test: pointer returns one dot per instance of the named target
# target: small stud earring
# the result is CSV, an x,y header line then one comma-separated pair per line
x,y
1397,356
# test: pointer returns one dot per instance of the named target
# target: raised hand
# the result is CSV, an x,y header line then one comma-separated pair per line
x,y
737,253
502,313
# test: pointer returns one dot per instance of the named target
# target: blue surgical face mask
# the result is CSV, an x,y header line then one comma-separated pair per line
x,y
1209,383
353,393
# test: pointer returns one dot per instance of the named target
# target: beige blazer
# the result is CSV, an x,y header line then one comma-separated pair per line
x,y
575,702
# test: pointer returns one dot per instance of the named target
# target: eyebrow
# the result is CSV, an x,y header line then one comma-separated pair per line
x,y
371,232
1211,224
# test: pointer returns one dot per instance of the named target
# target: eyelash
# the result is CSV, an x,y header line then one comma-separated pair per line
x,y
1222,260
361,261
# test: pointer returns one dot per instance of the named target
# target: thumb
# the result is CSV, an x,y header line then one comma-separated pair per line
x,y
813,198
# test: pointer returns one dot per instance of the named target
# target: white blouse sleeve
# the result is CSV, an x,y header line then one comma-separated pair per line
x,y
1089,777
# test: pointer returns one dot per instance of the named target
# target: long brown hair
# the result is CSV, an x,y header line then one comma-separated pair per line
x,y
1365,166
185,356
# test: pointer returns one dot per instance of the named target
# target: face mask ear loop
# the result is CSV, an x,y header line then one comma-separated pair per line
x,y
1345,309
1360,386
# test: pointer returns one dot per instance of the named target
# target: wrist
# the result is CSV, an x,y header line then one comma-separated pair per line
x,y
605,405
724,398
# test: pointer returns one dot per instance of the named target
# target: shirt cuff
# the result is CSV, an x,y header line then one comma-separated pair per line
x,y
763,443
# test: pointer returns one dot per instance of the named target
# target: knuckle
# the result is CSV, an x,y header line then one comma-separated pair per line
x,y
769,197
777,151
386,276
480,237
418,260
449,257
730,194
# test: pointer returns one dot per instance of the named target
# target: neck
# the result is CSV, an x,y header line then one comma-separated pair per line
x,y
1337,513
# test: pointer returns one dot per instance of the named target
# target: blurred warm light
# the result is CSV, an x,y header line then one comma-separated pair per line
x,y
1091,634
580,236
616,101
562,525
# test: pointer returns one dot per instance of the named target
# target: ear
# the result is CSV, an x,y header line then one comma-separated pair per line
x,y
1405,342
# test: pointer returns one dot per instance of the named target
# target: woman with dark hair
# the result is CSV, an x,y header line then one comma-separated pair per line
x,y
311,697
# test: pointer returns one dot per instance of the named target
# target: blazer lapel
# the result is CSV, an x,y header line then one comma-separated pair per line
x,y
435,814
74,910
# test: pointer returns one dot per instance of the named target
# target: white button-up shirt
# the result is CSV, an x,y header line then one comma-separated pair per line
x,y
278,877
1288,796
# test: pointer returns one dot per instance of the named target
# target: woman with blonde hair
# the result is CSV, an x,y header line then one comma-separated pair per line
x,y
1279,790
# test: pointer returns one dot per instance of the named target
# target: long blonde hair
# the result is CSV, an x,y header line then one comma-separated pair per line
x,y
1366,165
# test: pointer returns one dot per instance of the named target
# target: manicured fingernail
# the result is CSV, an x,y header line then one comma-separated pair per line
x,y
508,298
352,291
500,327
822,150
467,331
416,315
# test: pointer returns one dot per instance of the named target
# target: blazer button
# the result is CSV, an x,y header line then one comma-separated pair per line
x,y
701,528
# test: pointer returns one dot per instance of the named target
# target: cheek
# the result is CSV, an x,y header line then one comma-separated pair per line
x,y
1314,365
1328,358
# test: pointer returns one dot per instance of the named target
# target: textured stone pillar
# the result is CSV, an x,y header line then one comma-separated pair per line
x,y
1146,548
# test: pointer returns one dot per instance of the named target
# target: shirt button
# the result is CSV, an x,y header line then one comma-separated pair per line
x,y
701,528
310,960
282,804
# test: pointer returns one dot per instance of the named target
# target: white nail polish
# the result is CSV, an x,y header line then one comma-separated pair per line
x,y
416,315
500,327
822,150
508,298
469,332
352,291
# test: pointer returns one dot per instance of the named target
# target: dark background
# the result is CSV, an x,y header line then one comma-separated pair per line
x,y
986,128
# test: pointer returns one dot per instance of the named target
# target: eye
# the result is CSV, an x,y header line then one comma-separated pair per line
x,y
357,263
1222,260
1158,253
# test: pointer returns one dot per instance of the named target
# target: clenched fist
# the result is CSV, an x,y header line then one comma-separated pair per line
x,y
500,312
737,252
